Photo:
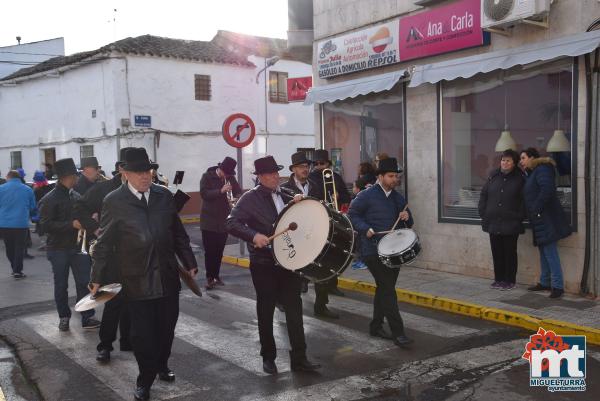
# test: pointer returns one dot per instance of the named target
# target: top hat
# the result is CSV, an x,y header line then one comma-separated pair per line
x,y
89,162
136,159
39,176
65,167
299,158
266,165
227,166
389,165
322,155
121,160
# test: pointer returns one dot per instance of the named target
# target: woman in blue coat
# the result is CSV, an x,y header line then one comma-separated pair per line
x,y
548,222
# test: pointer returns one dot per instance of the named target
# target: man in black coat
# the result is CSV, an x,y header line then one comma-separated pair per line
x,y
141,228
216,183
115,316
252,220
90,174
321,163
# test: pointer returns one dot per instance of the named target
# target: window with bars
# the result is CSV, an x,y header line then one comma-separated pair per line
x,y
86,151
278,87
16,160
202,87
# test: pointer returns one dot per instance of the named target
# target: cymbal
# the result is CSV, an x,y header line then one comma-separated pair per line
x,y
104,294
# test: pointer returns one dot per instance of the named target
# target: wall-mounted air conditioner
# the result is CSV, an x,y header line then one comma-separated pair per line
x,y
502,13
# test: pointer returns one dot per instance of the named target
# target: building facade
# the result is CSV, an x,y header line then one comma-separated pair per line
x,y
423,82
13,58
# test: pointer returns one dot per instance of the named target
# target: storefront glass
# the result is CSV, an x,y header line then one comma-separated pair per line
x,y
357,129
530,103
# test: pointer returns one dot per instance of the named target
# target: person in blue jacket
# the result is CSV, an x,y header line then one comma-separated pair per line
x,y
548,222
376,209
17,204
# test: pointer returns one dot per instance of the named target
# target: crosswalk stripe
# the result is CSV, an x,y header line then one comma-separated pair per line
x,y
411,321
122,371
485,360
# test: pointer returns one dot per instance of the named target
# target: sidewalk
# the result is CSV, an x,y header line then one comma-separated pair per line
x,y
472,296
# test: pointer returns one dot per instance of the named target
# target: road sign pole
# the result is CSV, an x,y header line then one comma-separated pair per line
x,y
240,178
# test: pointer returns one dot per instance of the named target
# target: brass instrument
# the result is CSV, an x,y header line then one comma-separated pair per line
x,y
230,197
331,194
81,237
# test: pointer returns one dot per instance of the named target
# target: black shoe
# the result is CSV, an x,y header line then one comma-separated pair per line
x,y
556,293
63,324
91,324
141,393
19,276
125,347
166,375
336,291
380,332
538,287
324,312
304,365
304,289
269,367
402,341
103,356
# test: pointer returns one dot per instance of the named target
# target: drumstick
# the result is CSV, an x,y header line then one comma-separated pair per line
x,y
293,226
398,219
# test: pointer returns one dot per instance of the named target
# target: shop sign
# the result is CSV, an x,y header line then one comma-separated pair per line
x,y
362,50
442,30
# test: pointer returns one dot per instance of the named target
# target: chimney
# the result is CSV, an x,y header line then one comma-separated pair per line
x,y
19,39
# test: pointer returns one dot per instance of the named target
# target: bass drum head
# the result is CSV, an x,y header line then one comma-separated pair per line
x,y
396,242
299,248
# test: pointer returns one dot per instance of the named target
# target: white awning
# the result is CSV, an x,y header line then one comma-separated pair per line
x,y
568,46
354,87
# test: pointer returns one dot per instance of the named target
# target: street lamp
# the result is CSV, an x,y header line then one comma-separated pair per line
x,y
268,63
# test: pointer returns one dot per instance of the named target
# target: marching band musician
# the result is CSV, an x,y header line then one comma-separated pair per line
x,y
376,209
216,185
115,315
90,174
141,228
252,220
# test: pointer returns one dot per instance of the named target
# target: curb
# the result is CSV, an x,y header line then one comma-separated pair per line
x,y
189,220
496,315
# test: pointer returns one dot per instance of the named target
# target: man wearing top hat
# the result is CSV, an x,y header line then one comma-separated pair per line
x,y
90,173
141,236
252,219
215,185
60,225
376,209
115,315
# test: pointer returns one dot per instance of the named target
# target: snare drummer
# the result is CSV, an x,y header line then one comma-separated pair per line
x,y
252,220
376,209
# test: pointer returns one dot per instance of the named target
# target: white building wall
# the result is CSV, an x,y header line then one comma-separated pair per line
x,y
13,58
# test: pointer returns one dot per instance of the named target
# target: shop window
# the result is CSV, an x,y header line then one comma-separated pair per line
x,y
202,87
86,151
356,130
16,160
526,104
278,87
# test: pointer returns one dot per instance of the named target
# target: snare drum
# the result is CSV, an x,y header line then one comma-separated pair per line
x,y
321,247
399,247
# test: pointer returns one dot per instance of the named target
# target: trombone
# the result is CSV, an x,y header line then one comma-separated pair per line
x,y
329,191
81,237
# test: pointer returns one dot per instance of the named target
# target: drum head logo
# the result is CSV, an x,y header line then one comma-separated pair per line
x,y
289,245
556,362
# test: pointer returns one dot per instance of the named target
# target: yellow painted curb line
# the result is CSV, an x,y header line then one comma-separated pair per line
x,y
189,220
462,308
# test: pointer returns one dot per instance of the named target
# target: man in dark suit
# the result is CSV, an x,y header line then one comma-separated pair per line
x,y
252,220
90,174
215,185
115,315
140,227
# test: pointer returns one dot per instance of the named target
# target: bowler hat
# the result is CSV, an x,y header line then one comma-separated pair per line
x,y
299,158
136,159
322,155
389,165
89,162
227,166
65,167
266,165
121,160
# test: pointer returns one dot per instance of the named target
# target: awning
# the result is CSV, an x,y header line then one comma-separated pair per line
x,y
571,46
354,87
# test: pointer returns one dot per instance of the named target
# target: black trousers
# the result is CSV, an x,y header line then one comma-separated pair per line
x,y
274,284
322,293
385,303
214,244
152,331
504,253
115,316
15,242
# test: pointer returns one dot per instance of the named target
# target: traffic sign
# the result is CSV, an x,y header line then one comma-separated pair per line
x,y
238,130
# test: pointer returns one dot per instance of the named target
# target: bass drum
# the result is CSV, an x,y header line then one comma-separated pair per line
x,y
321,247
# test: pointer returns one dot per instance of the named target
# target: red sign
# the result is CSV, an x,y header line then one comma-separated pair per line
x,y
441,30
297,88
238,130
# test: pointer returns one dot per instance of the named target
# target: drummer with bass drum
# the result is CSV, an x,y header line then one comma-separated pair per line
x,y
374,210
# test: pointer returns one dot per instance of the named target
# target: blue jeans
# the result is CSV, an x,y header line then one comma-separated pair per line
x,y
61,260
550,262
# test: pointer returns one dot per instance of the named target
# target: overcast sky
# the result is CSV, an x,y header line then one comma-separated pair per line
x,y
87,25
